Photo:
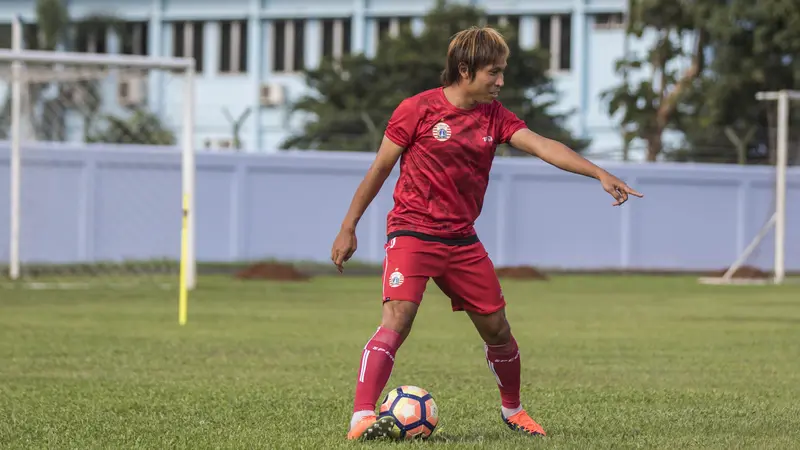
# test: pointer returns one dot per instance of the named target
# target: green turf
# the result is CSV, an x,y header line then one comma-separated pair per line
x,y
608,362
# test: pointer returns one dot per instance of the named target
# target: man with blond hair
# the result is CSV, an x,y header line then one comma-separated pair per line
x,y
445,139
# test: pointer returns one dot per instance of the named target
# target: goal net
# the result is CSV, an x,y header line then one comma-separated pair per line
x,y
772,210
99,153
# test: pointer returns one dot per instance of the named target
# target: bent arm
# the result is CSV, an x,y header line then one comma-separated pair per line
x,y
381,167
555,153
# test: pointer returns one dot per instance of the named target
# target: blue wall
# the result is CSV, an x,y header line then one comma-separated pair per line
x,y
87,204
593,53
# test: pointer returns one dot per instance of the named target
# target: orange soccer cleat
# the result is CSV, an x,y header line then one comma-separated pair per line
x,y
521,421
371,427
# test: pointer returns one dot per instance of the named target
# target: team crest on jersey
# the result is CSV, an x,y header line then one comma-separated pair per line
x,y
396,279
441,131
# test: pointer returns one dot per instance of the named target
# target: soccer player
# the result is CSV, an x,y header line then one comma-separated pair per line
x,y
445,139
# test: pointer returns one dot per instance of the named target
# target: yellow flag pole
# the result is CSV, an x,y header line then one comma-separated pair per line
x,y
184,292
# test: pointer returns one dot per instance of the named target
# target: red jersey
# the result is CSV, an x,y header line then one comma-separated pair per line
x,y
444,170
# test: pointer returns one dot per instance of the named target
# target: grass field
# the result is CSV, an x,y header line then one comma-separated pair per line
x,y
608,362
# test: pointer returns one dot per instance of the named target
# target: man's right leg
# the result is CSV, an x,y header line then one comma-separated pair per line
x,y
377,362
377,358
406,273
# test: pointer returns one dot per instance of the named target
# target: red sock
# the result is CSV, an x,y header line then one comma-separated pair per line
x,y
504,363
377,360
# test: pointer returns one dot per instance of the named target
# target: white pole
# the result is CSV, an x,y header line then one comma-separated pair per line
x,y
780,184
750,248
15,163
95,59
188,169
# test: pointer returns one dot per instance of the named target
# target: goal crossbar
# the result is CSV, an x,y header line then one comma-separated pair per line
x,y
776,95
91,59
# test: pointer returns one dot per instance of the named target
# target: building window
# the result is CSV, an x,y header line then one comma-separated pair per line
x,y
30,37
90,39
336,39
187,41
555,35
391,26
5,35
509,22
609,21
288,45
233,46
134,41
565,44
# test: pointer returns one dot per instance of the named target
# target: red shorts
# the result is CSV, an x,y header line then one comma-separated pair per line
x,y
464,273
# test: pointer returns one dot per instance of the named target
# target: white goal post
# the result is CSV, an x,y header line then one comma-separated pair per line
x,y
23,62
778,218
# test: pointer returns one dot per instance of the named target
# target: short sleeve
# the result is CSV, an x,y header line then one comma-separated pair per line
x,y
402,125
508,124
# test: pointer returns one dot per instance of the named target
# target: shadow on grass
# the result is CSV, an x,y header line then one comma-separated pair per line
x,y
472,437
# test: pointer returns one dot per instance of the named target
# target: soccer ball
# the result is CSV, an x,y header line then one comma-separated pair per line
x,y
414,411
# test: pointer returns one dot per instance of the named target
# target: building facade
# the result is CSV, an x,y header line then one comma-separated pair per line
x,y
250,53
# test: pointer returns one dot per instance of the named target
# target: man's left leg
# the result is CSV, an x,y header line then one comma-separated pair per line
x,y
503,358
472,285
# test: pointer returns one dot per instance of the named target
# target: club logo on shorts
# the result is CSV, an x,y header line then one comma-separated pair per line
x,y
395,279
441,131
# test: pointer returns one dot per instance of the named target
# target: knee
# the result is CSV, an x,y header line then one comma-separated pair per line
x,y
493,328
399,316
499,334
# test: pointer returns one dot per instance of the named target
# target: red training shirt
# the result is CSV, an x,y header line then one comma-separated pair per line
x,y
444,170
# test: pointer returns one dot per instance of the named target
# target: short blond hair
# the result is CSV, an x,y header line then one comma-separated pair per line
x,y
476,47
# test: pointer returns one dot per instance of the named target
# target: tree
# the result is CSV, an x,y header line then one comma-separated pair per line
x,y
354,97
754,47
236,126
650,105
140,127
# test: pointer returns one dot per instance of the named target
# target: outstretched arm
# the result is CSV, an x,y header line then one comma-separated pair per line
x,y
345,244
563,157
